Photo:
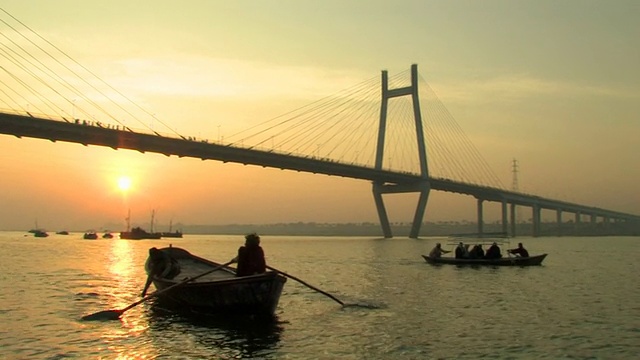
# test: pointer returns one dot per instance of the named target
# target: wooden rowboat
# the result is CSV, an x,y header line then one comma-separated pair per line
x,y
221,291
505,261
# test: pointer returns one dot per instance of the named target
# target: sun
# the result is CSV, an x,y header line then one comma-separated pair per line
x,y
124,183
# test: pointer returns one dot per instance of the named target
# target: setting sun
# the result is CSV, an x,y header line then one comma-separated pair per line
x,y
124,183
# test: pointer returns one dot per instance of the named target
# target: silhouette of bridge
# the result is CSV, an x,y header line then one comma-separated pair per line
x,y
384,180
375,121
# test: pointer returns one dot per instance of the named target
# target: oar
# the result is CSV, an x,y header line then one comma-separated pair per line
x,y
115,314
147,284
307,285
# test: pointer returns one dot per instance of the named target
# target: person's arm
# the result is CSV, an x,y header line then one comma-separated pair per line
x,y
263,262
242,261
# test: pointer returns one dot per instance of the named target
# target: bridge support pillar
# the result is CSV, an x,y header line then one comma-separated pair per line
x,y
559,221
378,189
419,215
513,220
480,218
505,221
382,211
536,220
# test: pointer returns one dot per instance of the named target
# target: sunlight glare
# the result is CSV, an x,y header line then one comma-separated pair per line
x,y
124,183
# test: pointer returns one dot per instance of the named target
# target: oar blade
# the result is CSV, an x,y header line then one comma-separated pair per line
x,y
363,305
103,315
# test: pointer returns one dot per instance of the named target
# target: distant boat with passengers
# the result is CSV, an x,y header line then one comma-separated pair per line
x,y
471,258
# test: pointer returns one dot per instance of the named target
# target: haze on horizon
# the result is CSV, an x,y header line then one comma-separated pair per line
x,y
552,84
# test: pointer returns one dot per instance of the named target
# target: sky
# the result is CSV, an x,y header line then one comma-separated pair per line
x,y
553,84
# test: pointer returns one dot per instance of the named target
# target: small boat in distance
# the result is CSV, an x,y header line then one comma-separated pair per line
x,y
174,234
171,234
90,235
39,233
138,233
505,261
107,235
481,260
219,292
63,232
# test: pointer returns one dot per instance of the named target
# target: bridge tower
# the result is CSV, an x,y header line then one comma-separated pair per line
x,y
515,213
422,186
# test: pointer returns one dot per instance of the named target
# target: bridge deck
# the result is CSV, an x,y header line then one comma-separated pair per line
x,y
54,130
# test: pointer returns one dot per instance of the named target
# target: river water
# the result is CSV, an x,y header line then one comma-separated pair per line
x,y
582,303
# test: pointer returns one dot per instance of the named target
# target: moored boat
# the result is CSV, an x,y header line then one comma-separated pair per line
x,y
40,233
171,234
220,291
90,235
138,233
505,261
107,235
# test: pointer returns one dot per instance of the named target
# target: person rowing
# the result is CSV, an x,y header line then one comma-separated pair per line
x,y
437,251
250,257
519,251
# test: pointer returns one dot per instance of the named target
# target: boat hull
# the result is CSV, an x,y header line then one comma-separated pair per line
x,y
223,291
175,234
508,261
139,234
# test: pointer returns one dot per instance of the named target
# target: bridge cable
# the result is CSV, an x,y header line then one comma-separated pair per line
x,y
93,74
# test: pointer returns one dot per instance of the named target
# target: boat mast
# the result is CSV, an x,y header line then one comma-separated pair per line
x,y
153,214
128,220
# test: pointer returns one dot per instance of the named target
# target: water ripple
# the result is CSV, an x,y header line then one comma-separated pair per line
x,y
578,307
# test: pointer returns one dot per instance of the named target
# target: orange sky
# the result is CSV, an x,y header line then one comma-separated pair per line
x,y
552,84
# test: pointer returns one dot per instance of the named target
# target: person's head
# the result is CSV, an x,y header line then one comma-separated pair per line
x,y
461,244
252,239
495,244
438,245
519,245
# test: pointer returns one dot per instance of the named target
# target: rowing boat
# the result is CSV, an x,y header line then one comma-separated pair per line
x,y
505,261
221,291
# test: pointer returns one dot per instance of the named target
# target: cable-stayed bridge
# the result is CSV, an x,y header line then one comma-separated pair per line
x,y
388,131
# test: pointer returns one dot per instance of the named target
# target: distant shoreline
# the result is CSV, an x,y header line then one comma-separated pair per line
x,y
399,230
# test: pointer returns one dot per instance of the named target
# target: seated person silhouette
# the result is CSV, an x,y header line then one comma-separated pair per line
x,y
251,257
493,252
519,251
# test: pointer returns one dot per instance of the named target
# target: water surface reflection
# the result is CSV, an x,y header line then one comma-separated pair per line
x,y
204,335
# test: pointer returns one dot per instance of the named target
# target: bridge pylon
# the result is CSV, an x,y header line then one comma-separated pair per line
x,y
422,186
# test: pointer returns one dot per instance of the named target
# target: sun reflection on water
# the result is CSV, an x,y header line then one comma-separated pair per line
x,y
125,271
121,259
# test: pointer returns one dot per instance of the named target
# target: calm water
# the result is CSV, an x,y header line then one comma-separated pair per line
x,y
583,303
